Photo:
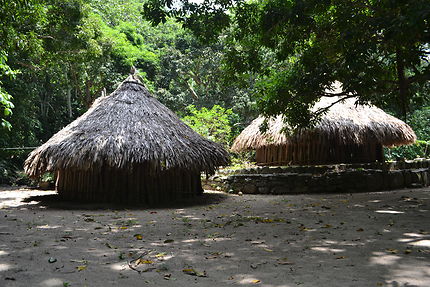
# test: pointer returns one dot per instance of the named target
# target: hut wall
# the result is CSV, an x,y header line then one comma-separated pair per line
x,y
127,186
314,153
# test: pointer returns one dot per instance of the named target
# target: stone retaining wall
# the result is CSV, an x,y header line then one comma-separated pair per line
x,y
324,179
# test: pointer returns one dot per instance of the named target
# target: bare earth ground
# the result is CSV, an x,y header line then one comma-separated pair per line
x,y
365,239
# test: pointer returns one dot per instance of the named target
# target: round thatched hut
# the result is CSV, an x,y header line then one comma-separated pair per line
x,y
128,147
347,133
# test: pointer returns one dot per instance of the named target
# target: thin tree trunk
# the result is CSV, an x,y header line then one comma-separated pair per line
x,y
68,94
88,97
403,84
69,101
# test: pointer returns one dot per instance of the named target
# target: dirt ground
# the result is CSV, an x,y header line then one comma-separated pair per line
x,y
362,239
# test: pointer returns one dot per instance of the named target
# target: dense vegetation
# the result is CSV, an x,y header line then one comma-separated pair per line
x,y
212,63
378,49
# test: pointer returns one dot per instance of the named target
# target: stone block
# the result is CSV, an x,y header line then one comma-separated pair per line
x,y
407,177
249,189
374,180
265,170
280,190
426,178
263,190
395,179
418,178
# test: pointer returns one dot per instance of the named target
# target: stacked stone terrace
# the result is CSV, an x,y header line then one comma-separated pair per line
x,y
339,178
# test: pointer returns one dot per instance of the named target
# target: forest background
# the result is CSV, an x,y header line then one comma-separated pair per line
x,y
56,57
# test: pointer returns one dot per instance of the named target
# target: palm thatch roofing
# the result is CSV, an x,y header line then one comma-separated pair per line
x,y
126,128
344,123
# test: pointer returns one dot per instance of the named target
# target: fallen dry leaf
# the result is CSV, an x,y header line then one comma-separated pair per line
x,y
138,236
192,272
110,245
214,255
302,228
284,261
167,276
144,261
267,220
161,255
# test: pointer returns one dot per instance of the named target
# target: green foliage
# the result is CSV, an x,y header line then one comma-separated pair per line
x,y
191,74
10,167
377,49
420,123
6,105
47,177
115,11
57,57
65,58
212,123
127,45
12,15
420,149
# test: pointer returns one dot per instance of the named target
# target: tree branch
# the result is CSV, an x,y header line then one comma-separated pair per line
x,y
30,66
45,37
325,109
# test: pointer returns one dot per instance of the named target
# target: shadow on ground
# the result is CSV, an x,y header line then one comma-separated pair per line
x,y
54,201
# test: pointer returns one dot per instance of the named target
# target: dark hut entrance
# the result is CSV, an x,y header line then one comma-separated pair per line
x,y
137,185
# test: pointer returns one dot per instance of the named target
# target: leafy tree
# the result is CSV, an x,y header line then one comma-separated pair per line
x,y
17,21
420,122
190,74
6,104
211,123
113,12
62,55
378,49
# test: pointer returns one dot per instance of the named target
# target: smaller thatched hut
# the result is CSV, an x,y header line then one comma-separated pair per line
x,y
347,133
128,147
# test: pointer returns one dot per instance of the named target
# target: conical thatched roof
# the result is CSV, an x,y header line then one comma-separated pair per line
x,y
123,129
344,123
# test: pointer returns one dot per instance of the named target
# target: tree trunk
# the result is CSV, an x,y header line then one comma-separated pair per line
x,y
68,95
88,97
69,102
402,83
